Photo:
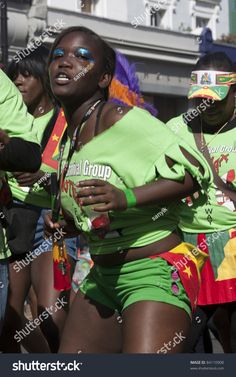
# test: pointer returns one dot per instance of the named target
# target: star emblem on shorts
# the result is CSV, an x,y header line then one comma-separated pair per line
x,y
188,272
55,138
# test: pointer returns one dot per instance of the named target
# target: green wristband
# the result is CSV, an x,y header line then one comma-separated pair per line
x,y
130,198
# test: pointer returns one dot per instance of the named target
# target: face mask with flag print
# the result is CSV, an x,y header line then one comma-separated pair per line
x,y
214,85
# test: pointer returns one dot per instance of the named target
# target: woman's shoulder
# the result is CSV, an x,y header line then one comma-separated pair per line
x,y
111,114
114,112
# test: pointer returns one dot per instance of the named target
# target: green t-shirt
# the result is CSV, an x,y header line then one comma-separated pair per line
x,y
36,194
219,212
17,122
129,154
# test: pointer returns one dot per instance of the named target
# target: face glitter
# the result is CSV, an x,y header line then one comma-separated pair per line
x,y
58,52
79,52
84,53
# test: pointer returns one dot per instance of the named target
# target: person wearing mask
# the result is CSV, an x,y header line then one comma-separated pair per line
x,y
209,222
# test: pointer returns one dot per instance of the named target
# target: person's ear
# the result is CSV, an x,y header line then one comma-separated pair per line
x,y
105,80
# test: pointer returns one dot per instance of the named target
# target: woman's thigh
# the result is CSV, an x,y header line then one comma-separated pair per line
x,y
90,328
154,327
19,284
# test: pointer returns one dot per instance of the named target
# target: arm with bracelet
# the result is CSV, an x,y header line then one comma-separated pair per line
x,y
162,191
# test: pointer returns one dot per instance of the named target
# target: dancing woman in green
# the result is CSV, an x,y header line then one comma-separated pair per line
x,y
107,151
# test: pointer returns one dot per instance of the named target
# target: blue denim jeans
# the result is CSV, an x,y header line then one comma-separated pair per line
x,y
3,289
42,245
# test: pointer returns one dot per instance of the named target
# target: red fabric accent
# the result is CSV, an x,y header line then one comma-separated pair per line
x,y
51,149
191,285
233,234
155,255
211,291
61,282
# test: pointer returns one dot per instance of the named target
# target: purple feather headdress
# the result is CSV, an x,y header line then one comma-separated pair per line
x,y
124,88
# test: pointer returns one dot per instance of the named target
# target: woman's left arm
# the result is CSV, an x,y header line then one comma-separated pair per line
x,y
163,191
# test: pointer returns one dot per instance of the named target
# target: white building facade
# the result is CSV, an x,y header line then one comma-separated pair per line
x,y
160,36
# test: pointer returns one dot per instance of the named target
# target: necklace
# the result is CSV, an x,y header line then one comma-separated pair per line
x,y
74,139
203,143
208,206
61,174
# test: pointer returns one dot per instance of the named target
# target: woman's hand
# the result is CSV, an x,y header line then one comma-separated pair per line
x,y
96,191
49,226
28,179
68,227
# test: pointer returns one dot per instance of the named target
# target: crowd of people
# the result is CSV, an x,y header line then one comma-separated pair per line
x,y
145,210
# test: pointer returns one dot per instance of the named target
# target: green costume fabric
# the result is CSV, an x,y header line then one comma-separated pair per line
x,y
17,122
145,279
36,194
129,154
218,212
14,118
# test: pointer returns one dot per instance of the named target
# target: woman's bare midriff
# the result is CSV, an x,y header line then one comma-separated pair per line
x,y
123,256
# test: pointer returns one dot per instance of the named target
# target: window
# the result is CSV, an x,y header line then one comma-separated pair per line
x,y
85,6
157,16
206,4
202,22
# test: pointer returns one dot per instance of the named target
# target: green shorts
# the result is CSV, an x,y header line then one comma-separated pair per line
x,y
141,280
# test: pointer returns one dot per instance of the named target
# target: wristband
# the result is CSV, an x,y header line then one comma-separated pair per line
x,y
130,198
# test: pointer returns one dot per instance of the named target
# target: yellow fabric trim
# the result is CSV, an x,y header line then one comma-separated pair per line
x,y
191,252
227,269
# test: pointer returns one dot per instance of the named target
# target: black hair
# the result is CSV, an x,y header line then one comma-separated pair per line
x,y
32,62
35,63
217,60
108,53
